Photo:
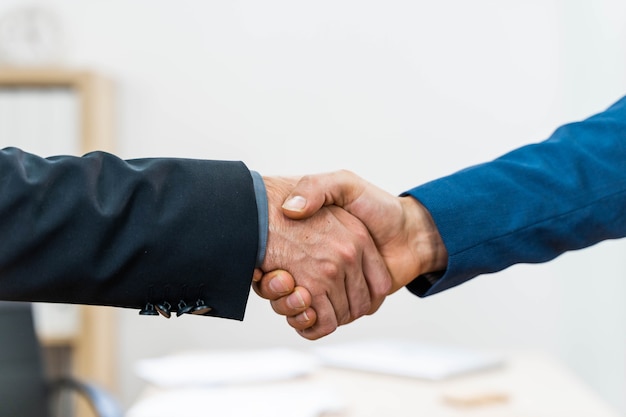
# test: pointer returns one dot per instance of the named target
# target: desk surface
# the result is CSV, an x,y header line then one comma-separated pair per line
x,y
528,385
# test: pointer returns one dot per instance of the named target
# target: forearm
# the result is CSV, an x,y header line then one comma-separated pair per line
x,y
99,230
532,204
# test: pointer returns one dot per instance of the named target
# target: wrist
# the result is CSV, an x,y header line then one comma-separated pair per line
x,y
428,250
277,189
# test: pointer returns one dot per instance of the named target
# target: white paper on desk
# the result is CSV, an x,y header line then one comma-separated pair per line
x,y
295,399
406,358
225,367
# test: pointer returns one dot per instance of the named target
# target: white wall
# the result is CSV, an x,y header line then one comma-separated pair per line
x,y
398,91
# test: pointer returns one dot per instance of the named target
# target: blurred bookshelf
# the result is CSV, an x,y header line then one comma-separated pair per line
x,y
57,111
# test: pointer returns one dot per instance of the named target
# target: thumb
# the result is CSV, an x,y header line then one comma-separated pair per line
x,y
313,192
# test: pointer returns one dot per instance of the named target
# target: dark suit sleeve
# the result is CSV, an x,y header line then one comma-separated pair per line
x,y
100,230
532,204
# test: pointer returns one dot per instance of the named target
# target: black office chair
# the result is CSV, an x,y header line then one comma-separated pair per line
x,y
24,389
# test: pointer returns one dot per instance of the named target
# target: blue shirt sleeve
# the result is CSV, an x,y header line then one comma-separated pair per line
x,y
532,204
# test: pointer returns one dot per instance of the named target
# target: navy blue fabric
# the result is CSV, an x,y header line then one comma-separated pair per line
x,y
532,204
100,230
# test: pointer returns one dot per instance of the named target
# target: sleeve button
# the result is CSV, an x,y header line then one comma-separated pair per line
x,y
183,308
200,309
164,309
148,310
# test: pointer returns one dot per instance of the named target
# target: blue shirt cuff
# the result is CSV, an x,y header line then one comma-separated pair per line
x,y
263,213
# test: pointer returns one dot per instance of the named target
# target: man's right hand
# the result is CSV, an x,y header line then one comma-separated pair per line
x,y
331,254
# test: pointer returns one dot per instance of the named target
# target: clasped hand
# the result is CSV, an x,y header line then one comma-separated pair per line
x,y
346,245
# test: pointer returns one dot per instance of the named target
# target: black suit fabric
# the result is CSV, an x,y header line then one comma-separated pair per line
x,y
100,230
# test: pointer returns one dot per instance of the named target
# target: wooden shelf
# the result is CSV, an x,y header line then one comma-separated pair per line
x,y
95,93
95,344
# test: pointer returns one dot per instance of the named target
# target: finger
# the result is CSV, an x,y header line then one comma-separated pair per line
x,y
326,322
377,277
336,295
358,295
356,286
368,280
376,273
257,275
274,285
303,320
295,303
313,192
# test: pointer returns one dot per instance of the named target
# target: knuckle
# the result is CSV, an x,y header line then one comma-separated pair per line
x,y
346,173
362,309
306,179
344,317
349,254
380,288
330,270
308,182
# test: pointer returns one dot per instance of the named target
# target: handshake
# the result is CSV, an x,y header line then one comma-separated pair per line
x,y
337,246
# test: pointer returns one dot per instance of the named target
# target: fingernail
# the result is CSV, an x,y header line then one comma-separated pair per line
x,y
295,300
296,203
278,284
303,317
